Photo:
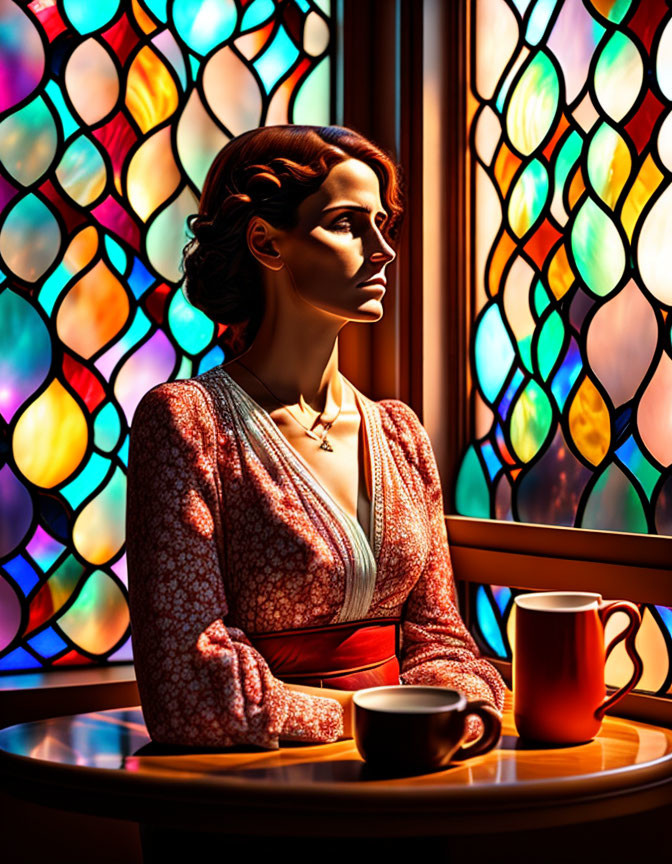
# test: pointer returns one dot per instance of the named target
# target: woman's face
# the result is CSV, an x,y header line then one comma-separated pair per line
x,y
336,254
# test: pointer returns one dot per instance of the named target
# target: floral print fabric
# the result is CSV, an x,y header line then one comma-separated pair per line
x,y
227,536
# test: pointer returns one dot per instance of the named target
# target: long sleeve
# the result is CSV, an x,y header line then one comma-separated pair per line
x,y
201,683
437,648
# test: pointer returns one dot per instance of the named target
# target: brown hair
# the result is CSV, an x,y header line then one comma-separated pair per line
x,y
266,172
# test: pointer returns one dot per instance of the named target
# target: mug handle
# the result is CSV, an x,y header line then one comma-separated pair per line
x,y
606,609
492,723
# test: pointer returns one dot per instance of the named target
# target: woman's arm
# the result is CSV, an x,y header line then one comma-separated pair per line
x,y
343,697
437,649
201,682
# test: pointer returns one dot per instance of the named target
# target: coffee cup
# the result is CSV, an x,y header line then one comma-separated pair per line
x,y
416,728
559,692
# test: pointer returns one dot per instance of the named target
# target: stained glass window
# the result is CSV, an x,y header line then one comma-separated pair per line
x,y
111,113
571,358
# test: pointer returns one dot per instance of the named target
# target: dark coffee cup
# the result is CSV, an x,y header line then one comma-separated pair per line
x,y
419,728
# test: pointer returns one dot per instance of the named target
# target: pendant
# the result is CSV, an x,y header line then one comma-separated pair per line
x,y
325,445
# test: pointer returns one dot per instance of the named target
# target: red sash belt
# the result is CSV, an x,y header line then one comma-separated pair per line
x,y
347,656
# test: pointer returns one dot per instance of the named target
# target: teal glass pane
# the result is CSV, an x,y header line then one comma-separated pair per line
x,y
190,327
204,24
472,497
277,60
87,481
630,455
87,16
538,20
257,13
494,353
28,140
550,342
107,428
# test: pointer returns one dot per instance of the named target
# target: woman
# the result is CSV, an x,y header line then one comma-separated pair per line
x,y
286,538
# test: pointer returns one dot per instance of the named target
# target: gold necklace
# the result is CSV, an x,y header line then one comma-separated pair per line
x,y
324,443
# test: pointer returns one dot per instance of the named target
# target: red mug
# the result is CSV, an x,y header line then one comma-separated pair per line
x,y
559,694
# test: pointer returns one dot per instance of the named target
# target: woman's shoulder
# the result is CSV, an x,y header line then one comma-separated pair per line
x,y
188,400
402,425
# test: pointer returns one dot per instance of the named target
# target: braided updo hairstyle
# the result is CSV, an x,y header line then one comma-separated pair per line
x,y
266,172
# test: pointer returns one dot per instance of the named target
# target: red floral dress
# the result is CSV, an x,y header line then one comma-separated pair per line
x,y
229,534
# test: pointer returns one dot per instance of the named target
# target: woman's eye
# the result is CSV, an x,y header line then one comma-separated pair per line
x,y
343,224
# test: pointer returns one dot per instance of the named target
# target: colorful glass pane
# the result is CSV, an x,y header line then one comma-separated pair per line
x,y
110,116
572,277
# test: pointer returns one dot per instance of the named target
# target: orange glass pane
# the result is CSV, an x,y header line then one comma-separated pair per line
x,y
93,311
560,273
576,189
151,94
645,185
506,165
503,252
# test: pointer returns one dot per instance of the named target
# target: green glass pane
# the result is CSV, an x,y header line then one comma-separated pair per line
x,y
614,504
533,104
68,123
617,9
632,457
541,299
598,249
494,353
310,107
116,255
531,420
550,343
569,153
87,16
107,428
528,198
30,238
25,353
186,368
189,325
618,76
28,141
538,20
87,481
525,352
81,171
472,497
204,24
609,164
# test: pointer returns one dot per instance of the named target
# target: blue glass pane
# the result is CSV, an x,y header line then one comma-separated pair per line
x,y
488,624
22,573
212,358
278,58
19,658
140,279
47,643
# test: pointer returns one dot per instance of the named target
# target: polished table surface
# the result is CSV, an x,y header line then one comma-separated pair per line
x,y
104,763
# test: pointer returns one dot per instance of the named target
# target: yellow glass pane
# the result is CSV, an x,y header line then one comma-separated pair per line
x,y
152,175
651,647
589,422
647,182
50,437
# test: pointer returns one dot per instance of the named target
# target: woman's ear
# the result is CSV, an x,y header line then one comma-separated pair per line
x,y
261,241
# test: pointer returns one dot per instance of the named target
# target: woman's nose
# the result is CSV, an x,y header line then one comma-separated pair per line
x,y
382,252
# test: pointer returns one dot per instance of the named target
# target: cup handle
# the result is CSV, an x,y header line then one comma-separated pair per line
x,y
492,723
606,610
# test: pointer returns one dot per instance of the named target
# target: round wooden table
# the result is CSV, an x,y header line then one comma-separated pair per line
x,y
104,763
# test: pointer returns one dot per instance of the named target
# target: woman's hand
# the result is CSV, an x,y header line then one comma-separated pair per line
x,y
344,697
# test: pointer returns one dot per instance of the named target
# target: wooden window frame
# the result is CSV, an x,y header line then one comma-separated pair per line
x,y
404,67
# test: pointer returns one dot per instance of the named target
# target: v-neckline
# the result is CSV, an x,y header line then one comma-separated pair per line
x,y
328,498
